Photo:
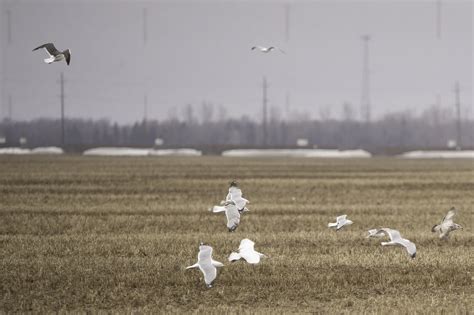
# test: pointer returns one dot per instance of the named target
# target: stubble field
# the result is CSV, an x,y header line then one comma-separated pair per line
x,y
115,234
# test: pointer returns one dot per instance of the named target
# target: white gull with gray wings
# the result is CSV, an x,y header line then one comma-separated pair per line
x,y
447,225
54,54
247,252
395,239
206,264
341,221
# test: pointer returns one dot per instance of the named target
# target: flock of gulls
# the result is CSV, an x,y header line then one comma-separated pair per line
x,y
56,55
234,205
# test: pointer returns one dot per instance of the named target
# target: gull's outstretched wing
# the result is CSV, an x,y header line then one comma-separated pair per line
x,y
274,47
236,196
49,48
67,56
377,232
410,247
251,256
193,266
234,256
341,217
233,216
216,209
216,263
393,234
247,251
246,244
449,216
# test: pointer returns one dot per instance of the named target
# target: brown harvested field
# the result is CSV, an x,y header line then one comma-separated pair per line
x,y
115,234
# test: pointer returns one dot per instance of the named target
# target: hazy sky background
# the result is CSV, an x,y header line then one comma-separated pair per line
x,y
200,51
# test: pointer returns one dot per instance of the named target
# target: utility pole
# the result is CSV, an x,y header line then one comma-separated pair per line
x,y
145,108
10,108
438,19
9,26
145,25
264,110
287,22
62,110
458,116
365,99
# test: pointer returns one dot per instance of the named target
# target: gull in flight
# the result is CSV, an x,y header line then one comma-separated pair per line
x,y
206,264
54,54
341,221
266,50
247,252
231,212
395,239
235,195
447,225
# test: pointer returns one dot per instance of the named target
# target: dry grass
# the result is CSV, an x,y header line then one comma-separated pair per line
x,y
116,233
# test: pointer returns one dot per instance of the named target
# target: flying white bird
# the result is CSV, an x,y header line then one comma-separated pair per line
x,y
235,195
54,54
266,50
447,225
395,239
206,264
231,212
341,221
247,252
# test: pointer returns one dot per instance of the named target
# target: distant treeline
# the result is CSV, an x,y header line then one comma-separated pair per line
x,y
393,133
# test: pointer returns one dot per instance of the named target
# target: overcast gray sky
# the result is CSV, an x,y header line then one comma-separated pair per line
x,y
200,51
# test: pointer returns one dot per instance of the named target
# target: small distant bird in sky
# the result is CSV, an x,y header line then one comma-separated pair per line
x,y
206,264
247,252
54,54
231,212
341,221
395,239
447,225
266,50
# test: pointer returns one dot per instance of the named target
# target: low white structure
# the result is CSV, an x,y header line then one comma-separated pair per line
x,y
47,150
461,154
116,152
113,151
302,142
310,153
14,151
175,152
